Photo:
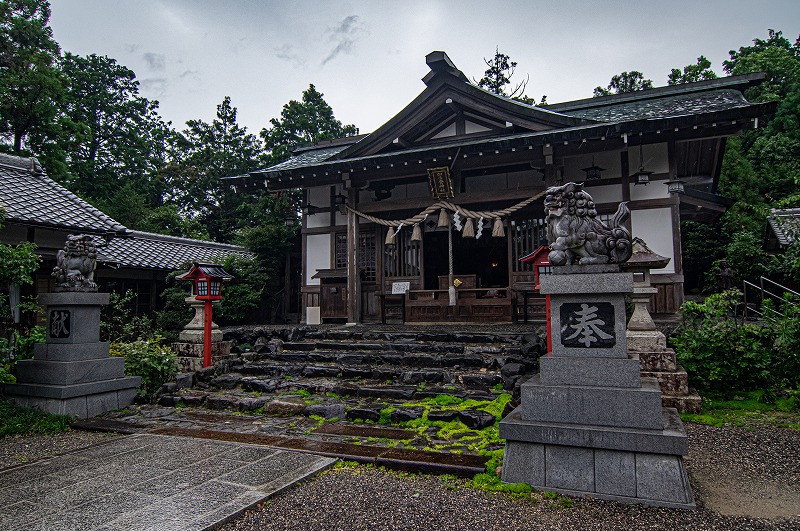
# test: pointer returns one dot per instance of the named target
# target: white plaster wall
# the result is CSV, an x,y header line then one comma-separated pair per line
x,y
610,193
654,226
609,161
654,190
318,256
322,219
655,157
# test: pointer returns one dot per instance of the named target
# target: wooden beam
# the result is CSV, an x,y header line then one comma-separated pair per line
x,y
353,278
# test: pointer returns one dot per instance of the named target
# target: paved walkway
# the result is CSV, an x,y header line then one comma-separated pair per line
x,y
148,482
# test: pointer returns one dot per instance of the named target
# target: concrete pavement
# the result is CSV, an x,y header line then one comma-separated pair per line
x,y
148,482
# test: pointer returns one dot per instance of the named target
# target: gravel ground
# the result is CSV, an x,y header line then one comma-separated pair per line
x,y
744,479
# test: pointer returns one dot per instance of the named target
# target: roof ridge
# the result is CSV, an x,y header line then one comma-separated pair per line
x,y
180,239
681,88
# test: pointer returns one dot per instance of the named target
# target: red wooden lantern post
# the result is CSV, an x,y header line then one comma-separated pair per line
x,y
208,280
541,266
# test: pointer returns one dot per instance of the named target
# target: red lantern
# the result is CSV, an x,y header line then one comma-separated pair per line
x,y
541,266
208,280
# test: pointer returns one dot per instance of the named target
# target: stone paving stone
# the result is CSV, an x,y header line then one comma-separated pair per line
x,y
148,482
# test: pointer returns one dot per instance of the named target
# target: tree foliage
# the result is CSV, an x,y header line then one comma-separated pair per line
x,y
624,82
303,122
699,71
31,86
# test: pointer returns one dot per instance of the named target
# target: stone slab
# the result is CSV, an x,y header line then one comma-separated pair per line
x,y
78,323
600,372
587,269
669,440
70,352
598,406
561,329
70,372
626,477
657,360
114,493
646,340
526,464
590,283
615,472
569,467
83,407
73,298
69,391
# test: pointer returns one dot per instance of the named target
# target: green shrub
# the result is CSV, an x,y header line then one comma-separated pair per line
x,y
723,355
117,325
719,353
149,359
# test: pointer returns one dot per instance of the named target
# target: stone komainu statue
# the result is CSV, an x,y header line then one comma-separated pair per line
x,y
575,234
75,265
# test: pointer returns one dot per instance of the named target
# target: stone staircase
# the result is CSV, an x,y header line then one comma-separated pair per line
x,y
672,378
345,368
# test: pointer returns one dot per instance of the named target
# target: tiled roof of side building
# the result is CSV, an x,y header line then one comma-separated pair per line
x,y
28,196
786,225
157,251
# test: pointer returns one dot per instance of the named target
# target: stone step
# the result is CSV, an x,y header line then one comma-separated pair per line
x,y
689,403
397,358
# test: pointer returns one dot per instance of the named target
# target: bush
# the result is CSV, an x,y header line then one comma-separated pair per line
x,y
719,353
722,355
118,326
155,363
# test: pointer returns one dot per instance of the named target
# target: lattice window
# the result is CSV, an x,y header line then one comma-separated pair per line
x,y
340,251
527,236
367,254
367,250
405,259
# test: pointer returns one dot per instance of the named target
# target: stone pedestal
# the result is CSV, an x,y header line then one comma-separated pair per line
x,y
72,372
189,348
589,425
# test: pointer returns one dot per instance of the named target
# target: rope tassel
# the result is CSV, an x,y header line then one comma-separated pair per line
x,y
390,236
469,229
444,220
416,234
497,229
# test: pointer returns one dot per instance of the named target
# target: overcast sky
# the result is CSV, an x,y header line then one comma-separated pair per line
x,y
367,58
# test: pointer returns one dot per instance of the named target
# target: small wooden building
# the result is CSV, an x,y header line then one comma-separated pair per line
x,y
496,154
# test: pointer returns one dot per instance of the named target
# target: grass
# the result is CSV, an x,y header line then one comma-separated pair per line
x,y
22,421
754,408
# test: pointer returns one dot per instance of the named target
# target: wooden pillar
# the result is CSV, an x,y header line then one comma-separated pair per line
x,y
676,210
353,278
625,174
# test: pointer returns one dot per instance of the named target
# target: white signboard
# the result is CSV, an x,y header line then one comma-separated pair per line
x,y
400,288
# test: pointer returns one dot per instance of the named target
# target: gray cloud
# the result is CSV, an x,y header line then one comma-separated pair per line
x,y
344,35
130,48
156,61
289,53
156,86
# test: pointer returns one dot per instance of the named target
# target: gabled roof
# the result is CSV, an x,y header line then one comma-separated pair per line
x,y
157,251
424,128
786,225
29,197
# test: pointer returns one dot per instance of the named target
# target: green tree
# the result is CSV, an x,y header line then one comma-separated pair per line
x,y
777,57
624,82
204,153
303,122
31,86
699,71
498,74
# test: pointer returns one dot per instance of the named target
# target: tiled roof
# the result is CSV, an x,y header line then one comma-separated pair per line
x,y
27,195
664,107
307,158
786,225
156,251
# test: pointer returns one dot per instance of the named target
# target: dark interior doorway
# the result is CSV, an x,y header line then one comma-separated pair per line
x,y
486,258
